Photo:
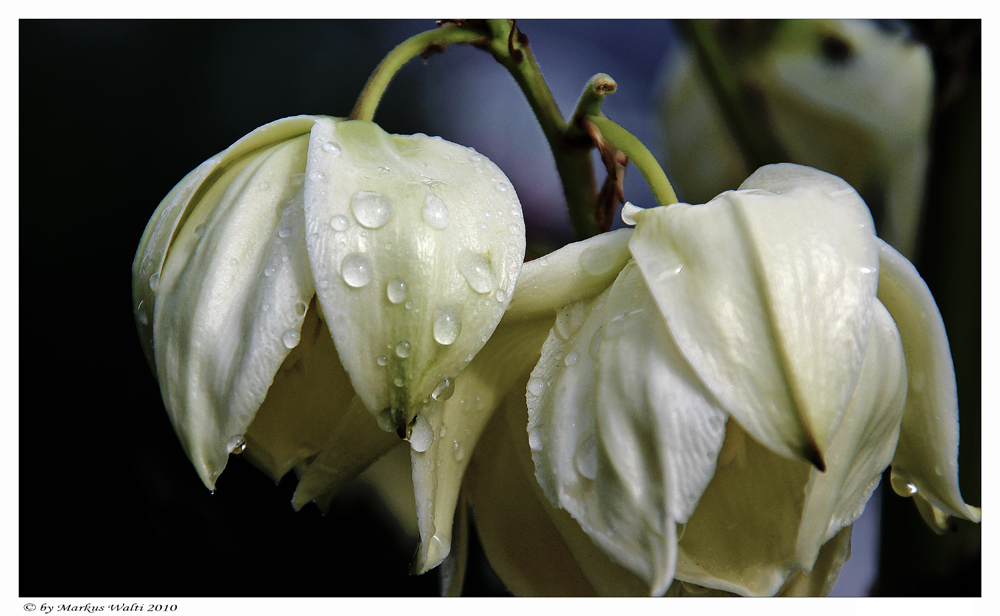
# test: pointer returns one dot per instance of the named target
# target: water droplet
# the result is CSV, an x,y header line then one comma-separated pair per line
x,y
269,270
385,421
535,440
199,229
596,261
340,222
585,460
536,386
422,435
331,148
403,349
515,229
395,290
447,325
435,212
408,304
236,444
444,389
290,339
595,343
382,360
458,451
501,295
477,271
140,313
371,209
356,270
264,185
316,176
571,358
902,484
154,282
300,308
398,381
501,187
619,324
285,232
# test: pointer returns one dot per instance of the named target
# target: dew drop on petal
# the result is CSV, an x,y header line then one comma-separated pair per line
x,y
595,261
331,148
154,281
403,349
317,176
408,304
236,444
477,271
395,290
371,209
269,270
444,389
458,451
382,360
300,308
536,386
501,187
571,358
356,270
585,460
398,381
501,295
447,325
290,339
435,212
422,435
340,222
535,440
385,421
199,230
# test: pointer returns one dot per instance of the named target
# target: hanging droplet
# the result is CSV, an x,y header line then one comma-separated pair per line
x,y
236,444
356,270
154,282
403,349
435,212
444,389
395,290
422,435
340,222
477,271
290,339
371,209
447,325
536,386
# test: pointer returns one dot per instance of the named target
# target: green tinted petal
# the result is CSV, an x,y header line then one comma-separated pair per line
x,y
927,456
819,582
415,244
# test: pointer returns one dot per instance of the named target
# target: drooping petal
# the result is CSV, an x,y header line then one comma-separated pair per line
x,y
172,211
308,396
231,299
768,292
624,435
743,534
863,445
355,443
449,428
536,549
926,460
820,581
415,244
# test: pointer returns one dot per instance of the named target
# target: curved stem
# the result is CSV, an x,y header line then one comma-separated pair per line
x,y
640,155
418,45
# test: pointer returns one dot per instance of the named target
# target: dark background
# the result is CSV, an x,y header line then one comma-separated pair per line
x,y
114,113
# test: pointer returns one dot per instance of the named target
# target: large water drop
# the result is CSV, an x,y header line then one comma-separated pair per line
x,y
371,209
435,212
477,271
395,290
356,270
422,435
403,349
447,325
445,389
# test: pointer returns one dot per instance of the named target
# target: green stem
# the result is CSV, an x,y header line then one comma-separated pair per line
x,y
572,156
420,44
640,156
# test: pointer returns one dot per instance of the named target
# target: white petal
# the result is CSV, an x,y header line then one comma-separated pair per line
x,y
863,445
162,227
768,292
624,435
927,455
232,296
415,254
